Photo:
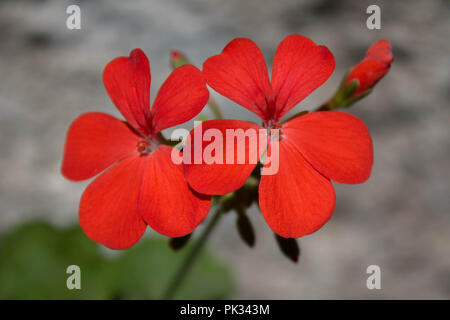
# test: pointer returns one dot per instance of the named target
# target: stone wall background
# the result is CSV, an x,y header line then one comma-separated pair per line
x,y
398,220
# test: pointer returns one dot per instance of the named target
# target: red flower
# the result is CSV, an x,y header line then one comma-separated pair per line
x,y
313,148
142,185
373,67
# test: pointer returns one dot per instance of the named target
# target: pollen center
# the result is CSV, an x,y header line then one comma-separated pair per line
x,y
147,146
274,131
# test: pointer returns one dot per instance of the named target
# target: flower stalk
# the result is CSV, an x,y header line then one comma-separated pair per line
x,y
185,267
178,59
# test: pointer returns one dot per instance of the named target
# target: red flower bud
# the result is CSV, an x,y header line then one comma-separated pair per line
x,y
373,67
175,54
178,59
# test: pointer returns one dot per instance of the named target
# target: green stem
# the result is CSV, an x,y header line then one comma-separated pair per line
x,y
215,108
329,105
189,260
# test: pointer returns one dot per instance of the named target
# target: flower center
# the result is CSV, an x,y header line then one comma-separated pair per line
x,y
274,131
147,146
272,124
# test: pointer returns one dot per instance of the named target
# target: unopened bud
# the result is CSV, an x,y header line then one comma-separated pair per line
x,y
178,59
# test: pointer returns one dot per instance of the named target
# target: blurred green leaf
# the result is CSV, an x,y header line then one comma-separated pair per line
x,y
34,258
144,272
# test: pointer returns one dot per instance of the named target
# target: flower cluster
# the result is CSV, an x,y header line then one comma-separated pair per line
x,y
141,185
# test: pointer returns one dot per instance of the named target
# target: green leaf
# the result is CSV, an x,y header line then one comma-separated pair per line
x,y
144,272
34,258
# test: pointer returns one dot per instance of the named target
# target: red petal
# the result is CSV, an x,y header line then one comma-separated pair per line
x,y
181,97
373,67
227,176
297,200
108,209
240,74
127,80
94,142
166,202
299,67
381,51
368,73
337,144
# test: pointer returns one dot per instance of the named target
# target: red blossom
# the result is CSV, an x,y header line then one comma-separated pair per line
x,y
373,67
140,181
313,148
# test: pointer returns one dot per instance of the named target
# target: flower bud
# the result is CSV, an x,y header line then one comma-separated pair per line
x,y
360,79
372,68
289,247
178,59
180,242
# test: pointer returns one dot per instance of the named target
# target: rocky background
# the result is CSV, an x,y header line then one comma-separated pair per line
x,y
399,219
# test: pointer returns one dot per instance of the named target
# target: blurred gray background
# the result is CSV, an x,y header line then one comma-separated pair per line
x,y
399,219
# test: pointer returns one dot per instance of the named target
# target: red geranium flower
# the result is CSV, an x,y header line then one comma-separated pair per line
x,y
142,185
313,148
373,67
